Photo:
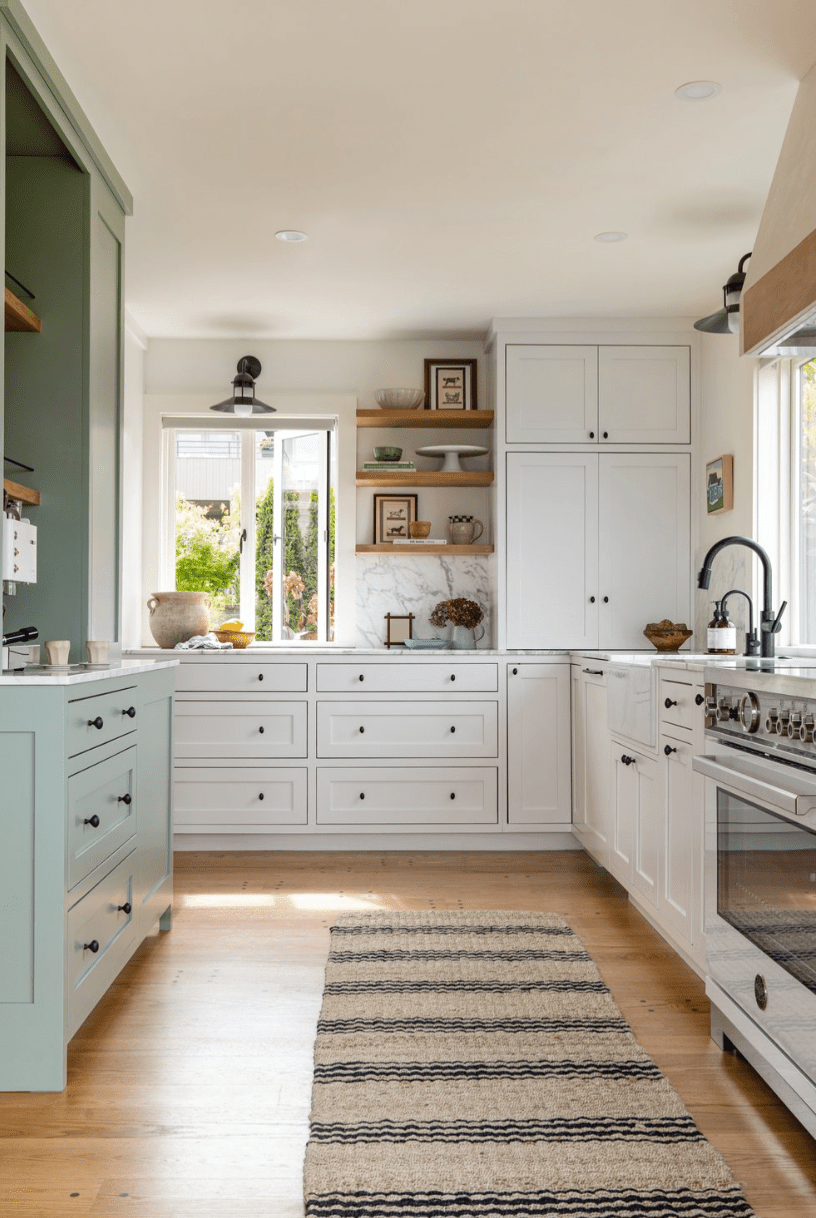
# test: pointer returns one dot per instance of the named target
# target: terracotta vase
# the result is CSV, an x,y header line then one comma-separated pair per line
x,y
176,616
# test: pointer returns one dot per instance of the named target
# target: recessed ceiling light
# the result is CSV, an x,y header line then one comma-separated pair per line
x,y
698,90
609,238
291,234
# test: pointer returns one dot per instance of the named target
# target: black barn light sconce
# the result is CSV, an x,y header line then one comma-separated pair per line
x,y
243,401
726,319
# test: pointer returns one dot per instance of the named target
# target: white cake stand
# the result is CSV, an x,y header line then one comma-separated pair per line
x,y
452,453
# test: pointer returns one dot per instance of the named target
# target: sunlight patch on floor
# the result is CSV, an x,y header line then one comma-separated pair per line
x,y
317,902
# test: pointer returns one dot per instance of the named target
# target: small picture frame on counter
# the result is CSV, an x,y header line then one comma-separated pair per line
x,y
450,384
399,627
720,485
393,513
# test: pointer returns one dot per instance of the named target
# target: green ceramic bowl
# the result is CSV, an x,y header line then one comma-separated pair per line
x,y
388,454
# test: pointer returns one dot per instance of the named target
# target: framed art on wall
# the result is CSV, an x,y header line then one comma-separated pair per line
x,y
450,384
720,485
399,627
392,515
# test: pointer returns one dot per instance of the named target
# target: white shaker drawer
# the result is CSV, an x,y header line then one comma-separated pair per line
x,y
407,729
681,710
236,799
101,930
396,796
240,729
101,812
96,720
407,676
216,674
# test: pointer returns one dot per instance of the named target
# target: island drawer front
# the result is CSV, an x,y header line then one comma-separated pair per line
x,y
240,729
407,676
234,799
682,710
92,721
105,792
396,796
99,919
216,674
407,729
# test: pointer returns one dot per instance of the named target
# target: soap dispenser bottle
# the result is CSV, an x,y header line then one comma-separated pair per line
x,y
722,634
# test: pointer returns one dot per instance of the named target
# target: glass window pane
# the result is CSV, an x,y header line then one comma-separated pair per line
x,y
207,517
300,470
264,533
807,500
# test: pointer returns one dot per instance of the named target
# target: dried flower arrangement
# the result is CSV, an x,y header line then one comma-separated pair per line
x,y
459,611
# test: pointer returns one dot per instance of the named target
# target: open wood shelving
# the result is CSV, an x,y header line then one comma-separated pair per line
x,y
394,547
479,477
24,493
469,419
19,318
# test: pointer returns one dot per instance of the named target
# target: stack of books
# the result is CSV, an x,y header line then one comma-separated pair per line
x,y
421,541
402,466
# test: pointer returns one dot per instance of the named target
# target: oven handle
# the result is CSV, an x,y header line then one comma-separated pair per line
x,y
780,799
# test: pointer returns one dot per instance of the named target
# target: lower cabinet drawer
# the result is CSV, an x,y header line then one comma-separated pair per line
x,y
216,673
392,796
407,729
409,676
231,801
102,807
101,933
100,718
677,707
240,729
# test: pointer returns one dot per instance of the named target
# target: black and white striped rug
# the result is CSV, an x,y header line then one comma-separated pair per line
x,y
474,1065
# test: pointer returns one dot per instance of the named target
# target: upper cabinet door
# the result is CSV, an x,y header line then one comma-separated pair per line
x,y
552,550
644,395
551,394
644,565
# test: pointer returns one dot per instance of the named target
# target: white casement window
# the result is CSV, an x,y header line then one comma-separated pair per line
x,y
803,500
249,518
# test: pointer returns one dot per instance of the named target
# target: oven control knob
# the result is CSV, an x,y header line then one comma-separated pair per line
x,y
749,712
794,724
806,730
725,712
782,723
770,720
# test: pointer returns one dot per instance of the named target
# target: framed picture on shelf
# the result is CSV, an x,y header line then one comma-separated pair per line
x,y
399,627
720,485
450,384
392,515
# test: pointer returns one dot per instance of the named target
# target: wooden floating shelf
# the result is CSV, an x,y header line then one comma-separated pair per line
x,y
19,318
394,547
470,419
424,478
23,493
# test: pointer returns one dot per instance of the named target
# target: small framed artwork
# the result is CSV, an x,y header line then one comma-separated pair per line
x,y
392,515
720,485
450,384
399,627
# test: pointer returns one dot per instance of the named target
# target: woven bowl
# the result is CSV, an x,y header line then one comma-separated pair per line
x,y
399,399
666,635
239,638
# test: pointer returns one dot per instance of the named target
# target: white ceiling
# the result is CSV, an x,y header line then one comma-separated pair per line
x,y
451,160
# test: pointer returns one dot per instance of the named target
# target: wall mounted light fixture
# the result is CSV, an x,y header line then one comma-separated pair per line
x,y
243,401
726,319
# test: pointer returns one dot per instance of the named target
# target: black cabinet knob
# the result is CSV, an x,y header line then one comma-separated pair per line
x,y
127,800
362,729
260,676
97,722
668,750
260,795
261,730
606,435
699,699
606,600
453,795
130,712
453,729
93,946
126,908
92,820
592,600
453,676
669,702
361,677
592,435
515,672
362,795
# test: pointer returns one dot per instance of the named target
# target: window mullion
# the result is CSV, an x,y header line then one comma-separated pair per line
x,y
247,566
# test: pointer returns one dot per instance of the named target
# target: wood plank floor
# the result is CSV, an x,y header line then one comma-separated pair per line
x,y
189,1084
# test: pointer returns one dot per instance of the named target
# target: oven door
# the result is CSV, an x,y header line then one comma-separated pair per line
x,y
760,895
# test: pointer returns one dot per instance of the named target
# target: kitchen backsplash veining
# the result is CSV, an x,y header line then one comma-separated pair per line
x,y
414,585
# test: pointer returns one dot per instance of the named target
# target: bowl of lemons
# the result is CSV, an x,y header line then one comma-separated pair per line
x,y
233,632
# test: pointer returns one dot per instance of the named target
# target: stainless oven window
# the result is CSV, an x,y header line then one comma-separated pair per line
x,y
766,883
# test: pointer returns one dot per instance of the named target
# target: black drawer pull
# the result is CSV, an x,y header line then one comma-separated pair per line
x,y
260,795
93,946
668,750
593,672
515,672
592,435
92,820
97,722
669,702
592,600
606,600
698,699
260,676
130,712
606,435
453,676
127,800
261,730
361,677
126,908
453,795
362,729
453,729
362,795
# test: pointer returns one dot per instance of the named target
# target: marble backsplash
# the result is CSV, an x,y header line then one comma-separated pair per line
x,y
730,569
414,585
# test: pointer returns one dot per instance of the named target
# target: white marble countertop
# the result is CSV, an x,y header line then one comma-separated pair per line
x,y
78,675
303,651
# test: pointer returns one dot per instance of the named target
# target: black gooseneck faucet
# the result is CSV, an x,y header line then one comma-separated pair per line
x,y
770,621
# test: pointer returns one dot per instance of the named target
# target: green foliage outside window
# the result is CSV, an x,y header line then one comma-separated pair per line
x,y
207,556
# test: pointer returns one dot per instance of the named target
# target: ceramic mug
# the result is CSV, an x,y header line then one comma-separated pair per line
x,y
463,532
58,651
98,651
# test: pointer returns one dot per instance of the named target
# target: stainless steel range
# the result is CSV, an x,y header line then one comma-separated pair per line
x,y
760,872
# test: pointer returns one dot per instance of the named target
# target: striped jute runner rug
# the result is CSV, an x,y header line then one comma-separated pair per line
x,y
474,1065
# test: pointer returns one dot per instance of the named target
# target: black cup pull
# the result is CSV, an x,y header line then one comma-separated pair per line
x,y
261,730
698,699
669,702
130,712
668,750
126,908
97,722
92,820
93,946
127,800
260,676
260,795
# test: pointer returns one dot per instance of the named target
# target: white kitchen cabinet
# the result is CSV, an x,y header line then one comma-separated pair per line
x,y
552,550
538,744
428,796
644,395
634,848
249,729
552,394
592,816
582,529
407,729
678,874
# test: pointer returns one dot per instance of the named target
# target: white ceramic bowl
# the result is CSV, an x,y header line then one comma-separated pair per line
x,y
399,399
